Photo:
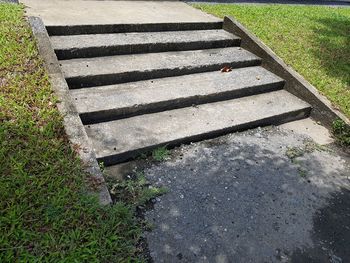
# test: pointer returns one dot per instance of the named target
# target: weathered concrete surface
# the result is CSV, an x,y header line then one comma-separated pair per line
x,y
117,69
125,100
78,12
116,141
93,45
239,198
150,38
310,128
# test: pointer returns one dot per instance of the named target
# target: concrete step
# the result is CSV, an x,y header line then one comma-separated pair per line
x,y
80,46
113,102
121,140
63,30
88,72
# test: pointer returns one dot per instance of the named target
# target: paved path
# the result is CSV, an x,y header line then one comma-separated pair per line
x,y
240,198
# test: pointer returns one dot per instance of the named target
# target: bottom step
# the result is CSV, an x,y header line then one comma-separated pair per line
x,y
121,140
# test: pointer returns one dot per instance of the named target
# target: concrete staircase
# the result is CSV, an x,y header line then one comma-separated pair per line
x,y
138,87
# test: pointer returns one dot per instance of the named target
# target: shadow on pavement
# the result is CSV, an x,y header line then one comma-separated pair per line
x,y
243,200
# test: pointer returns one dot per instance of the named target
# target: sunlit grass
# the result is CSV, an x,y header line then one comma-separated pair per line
x,y
314,40
45,213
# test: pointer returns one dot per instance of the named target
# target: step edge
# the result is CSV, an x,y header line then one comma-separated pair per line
x,y
113,50
220,32
86,81
59,30
297,114
94,117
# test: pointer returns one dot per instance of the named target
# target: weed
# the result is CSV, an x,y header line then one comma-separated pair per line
x,y
102,166
302,172
160,154
294,152
308,147
341,132
135,190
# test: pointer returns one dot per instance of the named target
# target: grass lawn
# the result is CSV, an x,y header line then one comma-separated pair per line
x,y
315,41
45,213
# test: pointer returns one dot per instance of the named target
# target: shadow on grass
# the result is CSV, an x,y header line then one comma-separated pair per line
x,y
333,41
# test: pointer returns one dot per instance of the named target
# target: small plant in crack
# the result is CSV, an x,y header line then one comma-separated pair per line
x,y
147,226
308,147
135,189
294,152
302,172
341,132
102,166
160,154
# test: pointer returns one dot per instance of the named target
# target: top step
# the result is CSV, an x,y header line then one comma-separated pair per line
x,y
62,30
80,46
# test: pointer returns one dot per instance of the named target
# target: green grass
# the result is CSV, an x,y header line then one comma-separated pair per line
x,y
45,213
315,41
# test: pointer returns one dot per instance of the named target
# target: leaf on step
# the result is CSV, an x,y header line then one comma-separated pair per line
x,y
226,69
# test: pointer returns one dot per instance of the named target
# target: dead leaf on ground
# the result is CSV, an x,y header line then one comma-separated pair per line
x,y
226,69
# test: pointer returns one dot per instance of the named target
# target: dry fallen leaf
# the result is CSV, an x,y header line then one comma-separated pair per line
x,y
226,69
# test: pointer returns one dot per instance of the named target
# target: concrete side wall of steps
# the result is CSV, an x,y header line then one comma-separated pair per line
x,y
72,122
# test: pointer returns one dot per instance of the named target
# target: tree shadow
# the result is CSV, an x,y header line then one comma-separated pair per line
x,y
244,201
332,227
333,46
